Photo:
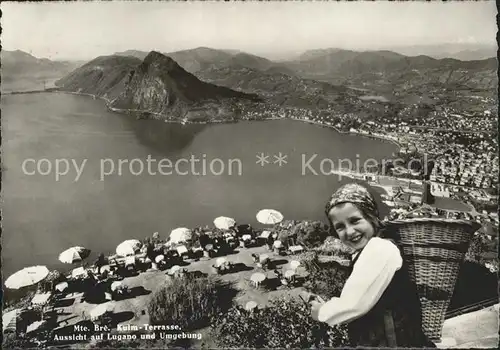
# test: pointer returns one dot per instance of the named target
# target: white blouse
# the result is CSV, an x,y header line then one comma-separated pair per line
x,y
371,275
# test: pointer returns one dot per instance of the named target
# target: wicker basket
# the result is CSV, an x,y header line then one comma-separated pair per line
x,y
434,250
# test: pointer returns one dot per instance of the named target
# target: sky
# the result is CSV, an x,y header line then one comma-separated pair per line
x,y
84,30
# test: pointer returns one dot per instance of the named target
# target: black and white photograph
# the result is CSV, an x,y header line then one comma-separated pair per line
x,y
249,174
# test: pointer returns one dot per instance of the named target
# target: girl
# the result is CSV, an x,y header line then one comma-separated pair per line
x,y
379,302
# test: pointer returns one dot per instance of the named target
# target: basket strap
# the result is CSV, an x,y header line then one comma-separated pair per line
x,y
390,331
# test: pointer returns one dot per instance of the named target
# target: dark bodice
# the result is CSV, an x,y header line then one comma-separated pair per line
x,y
395,320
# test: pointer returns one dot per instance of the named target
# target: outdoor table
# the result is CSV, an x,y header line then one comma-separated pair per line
x,y
181,250
129,260
61,287
265,234
79,272
41,299
105,268
296,249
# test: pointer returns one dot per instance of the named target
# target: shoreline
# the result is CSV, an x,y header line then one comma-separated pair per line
x,y
129,111
184,122
395,142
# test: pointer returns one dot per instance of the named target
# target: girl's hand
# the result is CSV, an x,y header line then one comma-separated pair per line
x,y
315,306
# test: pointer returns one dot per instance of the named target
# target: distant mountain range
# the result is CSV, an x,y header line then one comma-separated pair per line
x,y
337,66
459,51
204,58
22,71
156,85
217,82
396,71
19,62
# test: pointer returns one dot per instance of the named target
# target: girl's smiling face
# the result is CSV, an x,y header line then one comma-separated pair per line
x,y
353,229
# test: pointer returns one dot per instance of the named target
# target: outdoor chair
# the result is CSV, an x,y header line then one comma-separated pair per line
x,y
264,262
295,249
130,264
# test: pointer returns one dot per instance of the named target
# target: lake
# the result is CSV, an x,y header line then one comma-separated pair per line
x,y
42,215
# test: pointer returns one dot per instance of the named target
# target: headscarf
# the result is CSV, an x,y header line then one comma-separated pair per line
x,y
360,197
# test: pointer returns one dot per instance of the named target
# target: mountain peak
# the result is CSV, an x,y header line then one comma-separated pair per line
x,y
157,58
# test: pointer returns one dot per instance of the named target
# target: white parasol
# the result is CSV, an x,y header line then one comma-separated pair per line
x,y
250,305
100,310
294,264
26,277
159,258
258,277
181,234
9,319
34,326
128,247
289,273
224,223
269,216
74,254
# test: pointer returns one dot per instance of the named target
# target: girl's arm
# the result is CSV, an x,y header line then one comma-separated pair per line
x,y
371,275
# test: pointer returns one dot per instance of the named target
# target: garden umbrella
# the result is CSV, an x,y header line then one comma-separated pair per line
x,y
269,216
100,310
250,305
159,258
289,273
258,277
34,326
27,277
294,264
224,223
74,254
180,234
9,319
128,247
277,244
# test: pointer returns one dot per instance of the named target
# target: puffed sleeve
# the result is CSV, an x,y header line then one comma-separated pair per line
x,y
371,275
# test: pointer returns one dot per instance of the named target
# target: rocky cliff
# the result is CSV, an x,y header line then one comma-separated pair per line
x,y
157,86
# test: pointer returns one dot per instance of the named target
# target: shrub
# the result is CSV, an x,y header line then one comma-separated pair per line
x,y
189,302
325,278
14,341
284,229
286,323
311,234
